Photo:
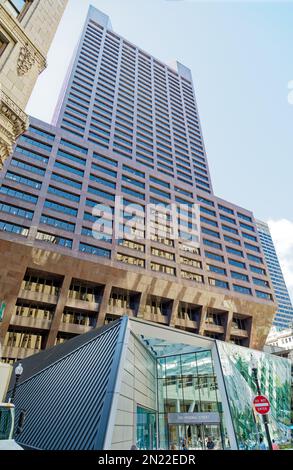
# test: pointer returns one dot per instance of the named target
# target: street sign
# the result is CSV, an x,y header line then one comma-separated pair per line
x,y
261,405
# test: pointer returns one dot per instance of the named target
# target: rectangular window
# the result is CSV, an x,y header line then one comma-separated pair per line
x,y
129,180
207,242
130,260
161,268
35,143
104,159
132,245
248,246
227,219
134,171
42,133
104,170
69,182
71,157
230,229
68,227
242,277
214,256
13,228
260,282
18,194
234,252
244,217
238,264
218,283
216,269
257,270
3,43
130,191
207,221
163,254
64,194
159,182
29,153
16,211
263,295
68,168
205,201
256,259
100,180
212,233
241,289
94,250
27,167
225,209
100,193
247,227
192,276
60,208
53,239
23,180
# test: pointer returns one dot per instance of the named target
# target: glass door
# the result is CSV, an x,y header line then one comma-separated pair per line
x,y
212,437
195,437
146,429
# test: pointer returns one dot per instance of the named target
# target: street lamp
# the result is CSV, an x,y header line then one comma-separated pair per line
x,y
264,417
18,373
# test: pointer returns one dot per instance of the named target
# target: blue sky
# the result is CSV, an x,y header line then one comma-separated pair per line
x,y
240,54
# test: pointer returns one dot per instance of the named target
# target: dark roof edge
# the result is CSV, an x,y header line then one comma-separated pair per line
x,y
57,353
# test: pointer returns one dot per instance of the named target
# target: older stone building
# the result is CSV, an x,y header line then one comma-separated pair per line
x,y
27,28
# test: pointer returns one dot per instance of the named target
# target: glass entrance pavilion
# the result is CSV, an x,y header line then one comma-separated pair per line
x,y
139,383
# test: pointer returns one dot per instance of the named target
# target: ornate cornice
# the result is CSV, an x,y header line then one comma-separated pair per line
x,y
13,122
26,60
11,109
29,51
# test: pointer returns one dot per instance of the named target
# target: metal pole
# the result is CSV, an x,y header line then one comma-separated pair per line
x,y
264,417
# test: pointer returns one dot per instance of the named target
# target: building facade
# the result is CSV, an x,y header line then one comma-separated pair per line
x,y
281,339
27,28
154,387
127,136
284,315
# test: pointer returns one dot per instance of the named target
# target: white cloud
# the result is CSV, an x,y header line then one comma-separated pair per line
x,y
282,234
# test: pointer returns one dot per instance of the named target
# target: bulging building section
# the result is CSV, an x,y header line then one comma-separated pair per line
x,y
126,141
27,28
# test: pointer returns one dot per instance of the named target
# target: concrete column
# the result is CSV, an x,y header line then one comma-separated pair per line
x,y
228,325
59,311
104,305
204,312
175,307
142,304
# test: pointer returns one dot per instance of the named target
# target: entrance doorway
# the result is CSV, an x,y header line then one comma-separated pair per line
x,y
195,436
146,429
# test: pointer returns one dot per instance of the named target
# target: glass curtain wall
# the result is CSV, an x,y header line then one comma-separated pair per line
x,y
187,384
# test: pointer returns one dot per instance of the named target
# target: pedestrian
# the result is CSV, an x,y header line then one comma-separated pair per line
x,y
184,444
262,445
275,445
210,444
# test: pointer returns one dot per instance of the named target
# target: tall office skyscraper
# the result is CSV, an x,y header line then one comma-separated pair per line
x,y
126,125
284,315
